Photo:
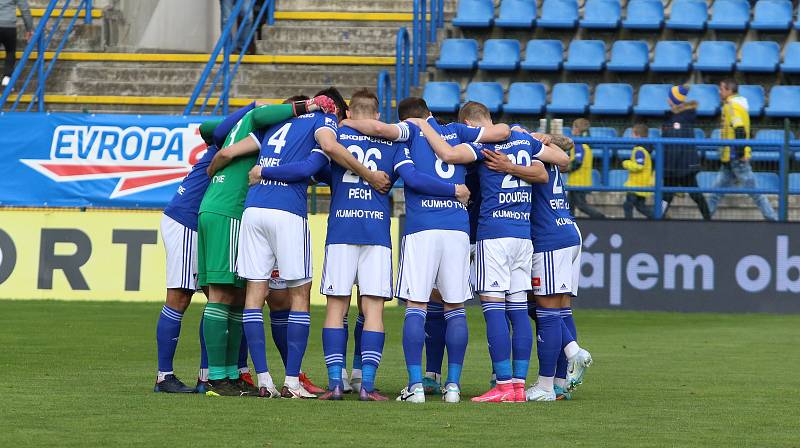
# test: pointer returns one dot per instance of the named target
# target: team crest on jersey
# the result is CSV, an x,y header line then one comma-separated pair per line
x,y
536,282
141,158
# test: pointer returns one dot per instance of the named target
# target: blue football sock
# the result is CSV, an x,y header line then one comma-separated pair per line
x,y
413,340
333,347
297,341
455,339
168,330
498,338
521,338
203,354
346,326
371,353
253,322
548,338
567,336
566,317
357,335
243,347
434,338
278,321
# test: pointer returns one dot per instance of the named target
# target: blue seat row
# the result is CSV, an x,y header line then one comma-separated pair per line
x,y
530,98
705,179
626,56
686,15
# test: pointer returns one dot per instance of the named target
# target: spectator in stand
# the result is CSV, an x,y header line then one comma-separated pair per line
x,y
735,167
580,170
681,162
8,32
245,21
640,174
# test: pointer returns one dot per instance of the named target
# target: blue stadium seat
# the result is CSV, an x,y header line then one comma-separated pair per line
x,y
602,132
617,178
794,182
672,56
707,97
526,98
500,55
569,98
759,57
458,54
772,15
612,99
644,15
783,101
688,15
710,152
442,96
768,153
791,58
755,98
652,99
558,14
629,56
730,15
715,56
516,14
586,56
543,55
474,14
769,181
490,94
601,14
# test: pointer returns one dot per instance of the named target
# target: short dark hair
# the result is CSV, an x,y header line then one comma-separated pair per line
x,y
333,93
731,84
473,111
641,129
413,107
293,99
364,101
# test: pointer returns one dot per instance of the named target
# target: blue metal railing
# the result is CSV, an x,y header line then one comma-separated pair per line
x,y
41,39
225,45
385,96
402,65
657,146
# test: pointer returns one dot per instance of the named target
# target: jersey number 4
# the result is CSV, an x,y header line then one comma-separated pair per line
x,y
278,139
523,159
368,159
558,187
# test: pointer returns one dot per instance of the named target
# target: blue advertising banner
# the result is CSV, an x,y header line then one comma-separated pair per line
x,y
69,160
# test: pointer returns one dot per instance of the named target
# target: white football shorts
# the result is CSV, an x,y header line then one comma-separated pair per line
x,y
502,267
274,239
434,259
556,271
180,243
368,266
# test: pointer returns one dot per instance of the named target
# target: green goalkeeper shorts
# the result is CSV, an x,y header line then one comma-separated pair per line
x,y
217,249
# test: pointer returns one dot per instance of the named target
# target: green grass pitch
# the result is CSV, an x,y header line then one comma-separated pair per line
x,y
81,374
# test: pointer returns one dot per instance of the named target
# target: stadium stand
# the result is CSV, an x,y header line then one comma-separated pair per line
x,y
759,57
612,99
490,94
783,101
629,56
672,56
500,55
586,56
772,15
652,99
601,14
707,97
755,98
442,96
569,98
730,15
716,56
688,15
526,98
791,58
644,15
558,14
458,54
516,14
474,14
543,55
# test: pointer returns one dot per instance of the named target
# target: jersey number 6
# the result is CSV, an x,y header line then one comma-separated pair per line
x,y
367,159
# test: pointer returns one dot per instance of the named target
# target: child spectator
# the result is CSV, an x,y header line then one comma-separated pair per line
x,y
640,174
580,171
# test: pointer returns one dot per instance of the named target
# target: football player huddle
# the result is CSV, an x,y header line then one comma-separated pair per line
x,y
486,217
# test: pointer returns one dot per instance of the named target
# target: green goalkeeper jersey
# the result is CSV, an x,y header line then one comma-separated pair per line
x,y
228,188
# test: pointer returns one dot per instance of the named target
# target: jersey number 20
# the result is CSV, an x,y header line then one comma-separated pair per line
x,y
522,159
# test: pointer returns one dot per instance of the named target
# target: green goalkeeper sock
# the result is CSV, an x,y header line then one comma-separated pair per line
x,y
234,342
215,331
270,114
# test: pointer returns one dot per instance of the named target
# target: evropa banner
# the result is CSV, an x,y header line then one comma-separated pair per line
x,y
62,159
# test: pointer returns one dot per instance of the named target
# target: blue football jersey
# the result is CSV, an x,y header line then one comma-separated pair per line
x,y
506,200
552,224
184,205
425,212
286,142
359,214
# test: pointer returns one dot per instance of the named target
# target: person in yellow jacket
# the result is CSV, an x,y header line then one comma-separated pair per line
x,y
640,174
580,171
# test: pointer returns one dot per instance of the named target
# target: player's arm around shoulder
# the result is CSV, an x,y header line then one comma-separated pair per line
x,y
459,154
330,145
498,132
224,156
535,173
375,128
